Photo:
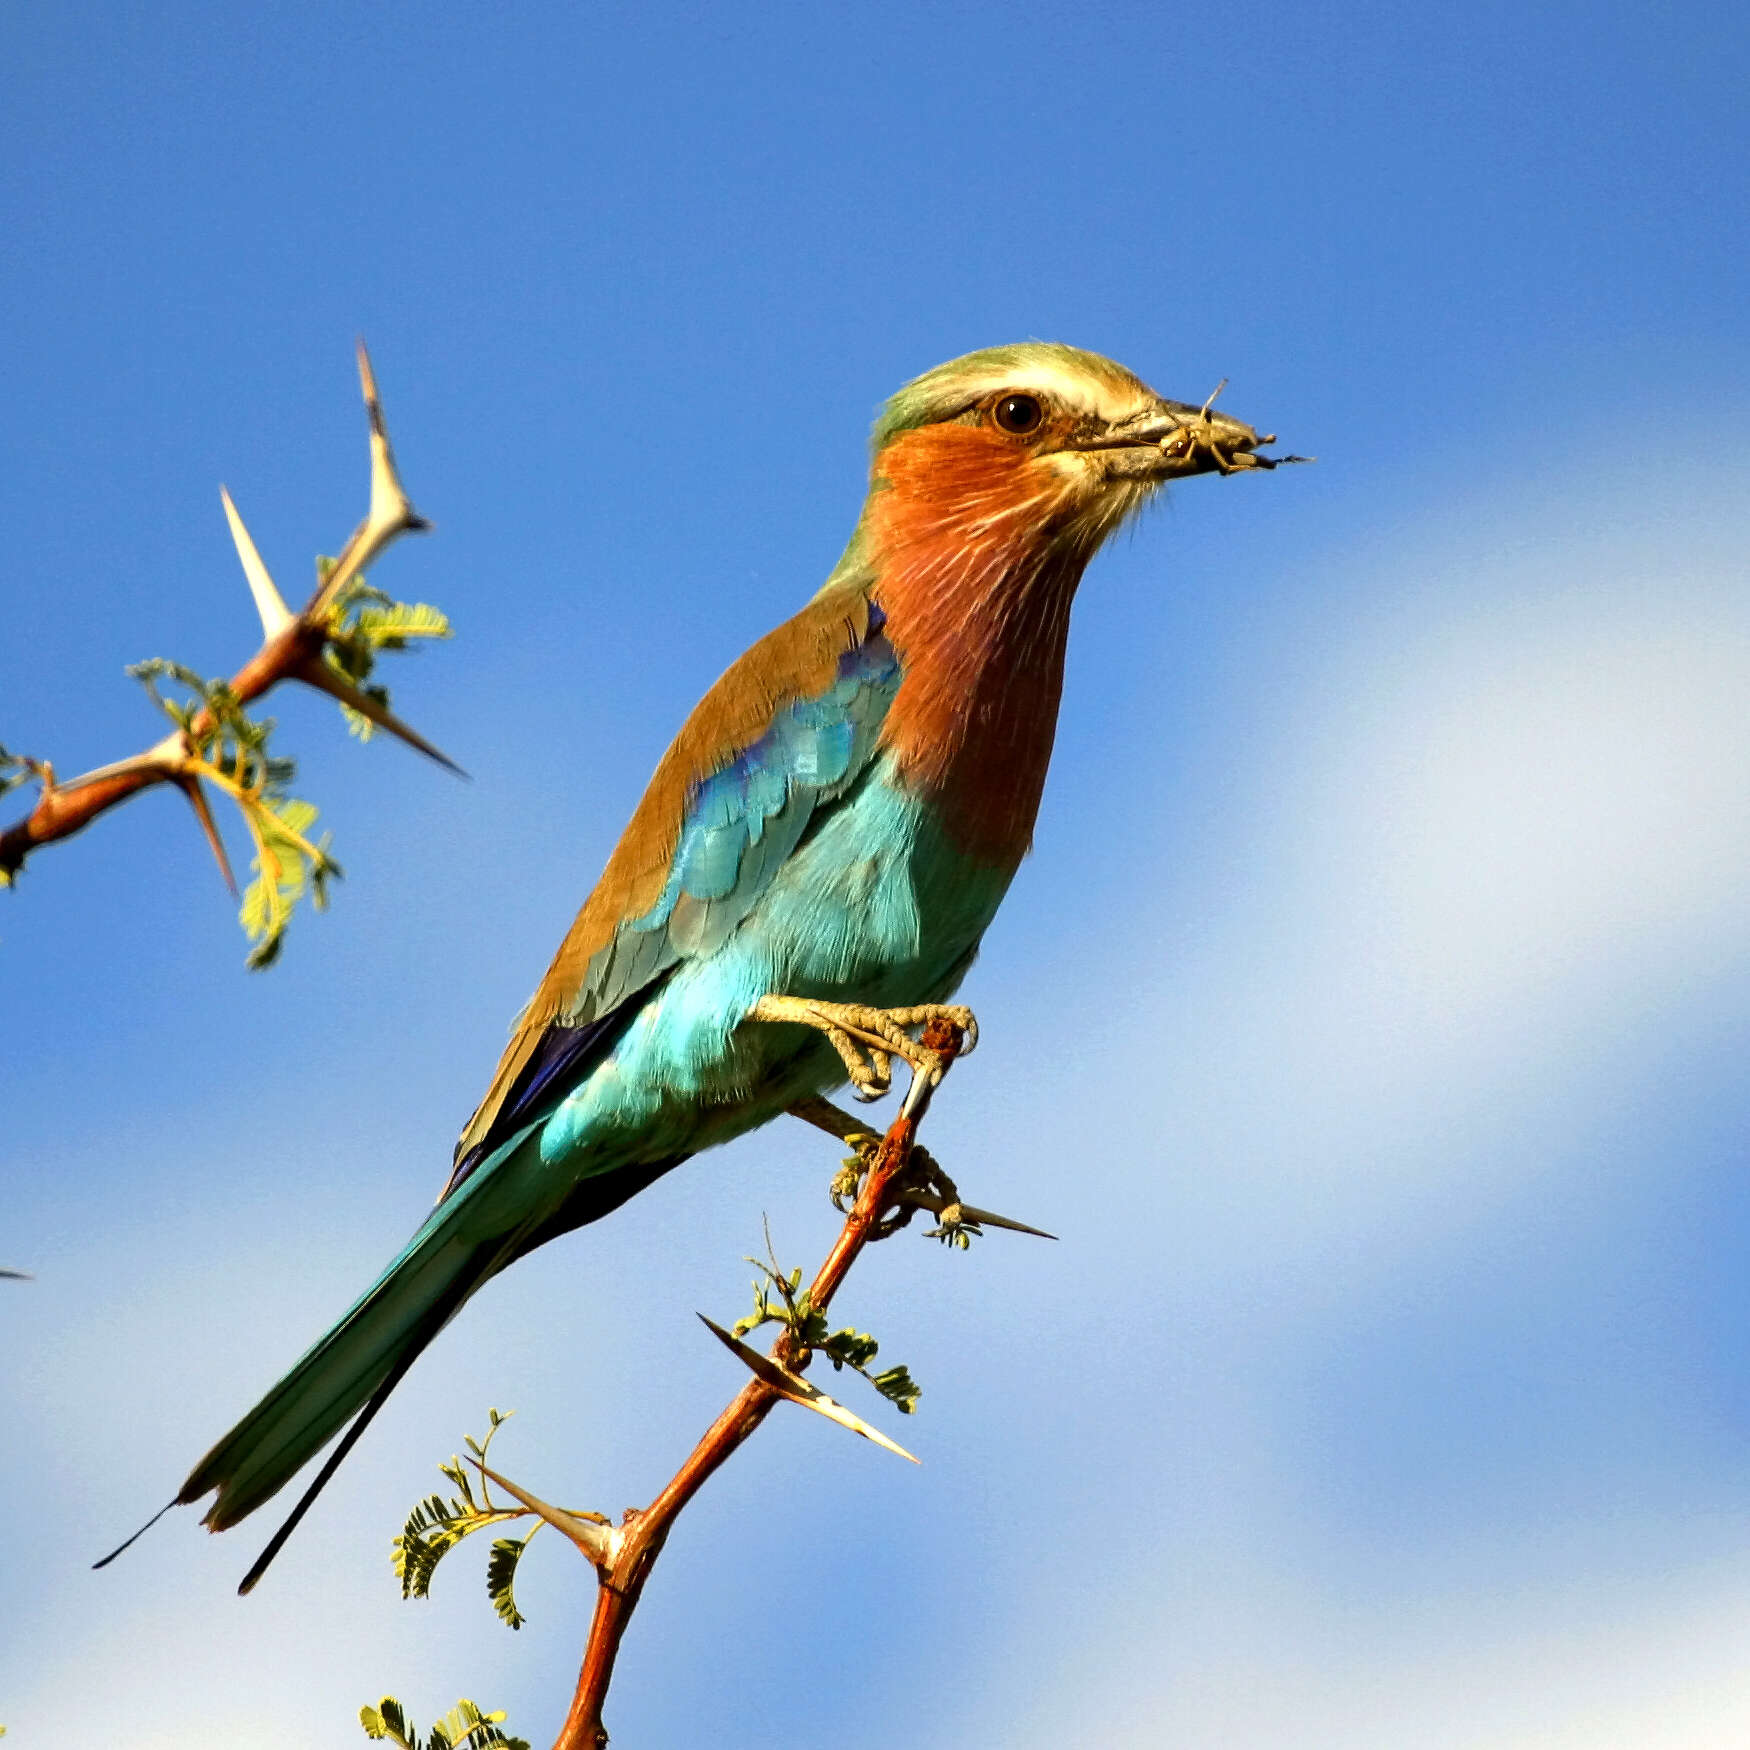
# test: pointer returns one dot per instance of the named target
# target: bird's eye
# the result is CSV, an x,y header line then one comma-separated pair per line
x,y
1019,414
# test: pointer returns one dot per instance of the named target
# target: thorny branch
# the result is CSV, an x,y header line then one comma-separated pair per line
x,y
884,1182
212,740
623,1555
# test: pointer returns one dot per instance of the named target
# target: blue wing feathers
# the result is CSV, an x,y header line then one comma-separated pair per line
x,y
740,826
644,954
745,819
766,792
558,1062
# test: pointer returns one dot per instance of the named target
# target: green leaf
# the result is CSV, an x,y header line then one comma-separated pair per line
x,y
457,1475
433,1529
958,1235
357,723
501,1568
14,770
390,626
464,1727
159,668
436,1526
229,749
386,1720
363,623
795,1310
849,1348
287,865
899,1388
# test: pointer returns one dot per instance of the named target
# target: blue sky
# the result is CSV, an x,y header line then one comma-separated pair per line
x,y
1369,1022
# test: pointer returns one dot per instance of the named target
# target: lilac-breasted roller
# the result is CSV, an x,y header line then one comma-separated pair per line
x,y
810,871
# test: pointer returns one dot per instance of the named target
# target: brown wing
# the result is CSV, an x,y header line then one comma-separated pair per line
x,y
605,959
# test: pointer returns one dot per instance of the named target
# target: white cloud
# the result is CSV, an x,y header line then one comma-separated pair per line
x,y
1256,1660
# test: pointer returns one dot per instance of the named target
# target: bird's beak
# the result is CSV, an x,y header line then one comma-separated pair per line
x,y
1172,439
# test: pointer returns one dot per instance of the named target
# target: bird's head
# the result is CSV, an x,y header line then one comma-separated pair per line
x,y
1038,444
994,479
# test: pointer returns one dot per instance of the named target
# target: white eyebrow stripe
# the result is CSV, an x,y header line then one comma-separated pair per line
x,y
1080,390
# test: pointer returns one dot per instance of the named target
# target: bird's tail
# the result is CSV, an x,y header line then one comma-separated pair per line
x,y
367,1351
469,1237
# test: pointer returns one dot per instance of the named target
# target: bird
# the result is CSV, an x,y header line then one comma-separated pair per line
x,y
811,868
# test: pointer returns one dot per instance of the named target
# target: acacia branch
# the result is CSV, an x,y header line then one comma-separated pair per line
x,y
880,1187
293,648
624,1555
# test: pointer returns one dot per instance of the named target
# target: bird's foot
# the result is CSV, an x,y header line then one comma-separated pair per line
x,y
867,1040
923,1184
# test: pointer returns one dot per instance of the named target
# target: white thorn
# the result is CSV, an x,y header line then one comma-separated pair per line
x,y
275,615
917,1096
598,1540
391,510
391,513
798,1391
319,674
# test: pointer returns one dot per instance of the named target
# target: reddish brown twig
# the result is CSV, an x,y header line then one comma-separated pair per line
x,y
291,649
624,1555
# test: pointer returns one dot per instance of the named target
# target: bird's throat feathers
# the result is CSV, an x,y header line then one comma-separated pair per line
x,y
975,549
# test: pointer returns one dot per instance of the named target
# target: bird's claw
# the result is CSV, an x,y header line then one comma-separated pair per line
x,y
921,1184
869,1039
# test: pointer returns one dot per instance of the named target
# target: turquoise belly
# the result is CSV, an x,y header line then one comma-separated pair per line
x,y
874,906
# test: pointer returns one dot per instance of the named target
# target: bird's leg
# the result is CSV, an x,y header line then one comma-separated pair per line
x,y
867,1039
923,1184
865,1146
815,1109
